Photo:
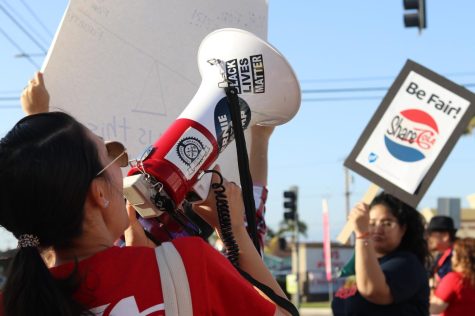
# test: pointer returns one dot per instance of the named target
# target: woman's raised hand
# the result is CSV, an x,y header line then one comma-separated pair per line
x,y
35,98
208,210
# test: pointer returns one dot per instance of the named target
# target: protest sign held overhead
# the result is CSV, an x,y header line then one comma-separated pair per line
x,y
410,136
412,132
127,69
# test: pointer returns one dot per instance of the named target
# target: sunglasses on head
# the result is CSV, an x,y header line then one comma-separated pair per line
x,y
118,153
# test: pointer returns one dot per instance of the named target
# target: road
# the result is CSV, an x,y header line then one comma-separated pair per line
x,y
315,312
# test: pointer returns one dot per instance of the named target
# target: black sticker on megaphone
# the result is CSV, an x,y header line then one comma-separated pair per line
x,y
223,121
246,74
189,149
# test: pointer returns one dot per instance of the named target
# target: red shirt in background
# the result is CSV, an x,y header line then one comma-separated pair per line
x,y
455,290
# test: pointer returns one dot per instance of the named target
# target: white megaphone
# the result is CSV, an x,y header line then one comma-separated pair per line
x,y
269,94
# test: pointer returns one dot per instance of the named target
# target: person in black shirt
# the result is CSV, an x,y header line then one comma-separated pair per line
x,y
391,256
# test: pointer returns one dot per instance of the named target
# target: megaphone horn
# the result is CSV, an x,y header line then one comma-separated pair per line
x,y
269,94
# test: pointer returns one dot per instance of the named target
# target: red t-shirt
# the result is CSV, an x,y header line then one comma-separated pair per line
x,y
125,281
458,293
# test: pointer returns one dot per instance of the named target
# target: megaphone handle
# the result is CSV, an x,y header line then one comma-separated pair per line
x,y
224,218
345,233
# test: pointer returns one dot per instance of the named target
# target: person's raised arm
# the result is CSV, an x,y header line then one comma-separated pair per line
x,y
249,259
437,306
35,97
258,153
370,279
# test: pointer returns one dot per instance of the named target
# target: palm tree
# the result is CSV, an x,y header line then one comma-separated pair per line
x,y
286,227
276,239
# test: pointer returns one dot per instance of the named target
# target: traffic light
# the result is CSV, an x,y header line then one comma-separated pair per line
x,y
416,17
290,204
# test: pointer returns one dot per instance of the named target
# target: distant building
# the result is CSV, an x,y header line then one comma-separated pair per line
x,y
464,218
467,223
313,285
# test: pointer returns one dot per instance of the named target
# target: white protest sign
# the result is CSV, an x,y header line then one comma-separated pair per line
x,y
412,132
126,69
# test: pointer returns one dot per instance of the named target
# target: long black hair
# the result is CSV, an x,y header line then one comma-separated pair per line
x,y
413,239
47,163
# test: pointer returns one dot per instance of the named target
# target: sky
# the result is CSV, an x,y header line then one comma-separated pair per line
x,y
332,45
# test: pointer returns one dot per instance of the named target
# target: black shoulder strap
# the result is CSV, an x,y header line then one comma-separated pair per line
x,y
243,162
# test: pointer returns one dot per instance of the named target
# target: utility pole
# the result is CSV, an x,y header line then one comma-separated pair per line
x,y
292,214
347,195
297,246
347,190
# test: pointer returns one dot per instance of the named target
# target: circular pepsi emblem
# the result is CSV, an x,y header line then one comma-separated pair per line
x,y
411,135
188,149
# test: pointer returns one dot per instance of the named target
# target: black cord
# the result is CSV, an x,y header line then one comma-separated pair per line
x,y
232,249
279,300
224,218
166,204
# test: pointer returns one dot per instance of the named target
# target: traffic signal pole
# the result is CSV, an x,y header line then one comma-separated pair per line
x,y
292,214
297,260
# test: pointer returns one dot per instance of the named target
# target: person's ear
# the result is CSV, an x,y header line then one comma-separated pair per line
x,y
97,193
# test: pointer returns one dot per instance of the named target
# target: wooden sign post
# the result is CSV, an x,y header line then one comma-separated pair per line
x,y
345,233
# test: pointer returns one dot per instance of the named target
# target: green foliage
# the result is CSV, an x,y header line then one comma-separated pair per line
x,y
289,226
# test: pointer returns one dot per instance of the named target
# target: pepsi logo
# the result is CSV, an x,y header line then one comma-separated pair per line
x,y
411,135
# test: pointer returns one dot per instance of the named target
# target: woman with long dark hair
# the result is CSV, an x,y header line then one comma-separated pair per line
x,y
391,256
61,196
